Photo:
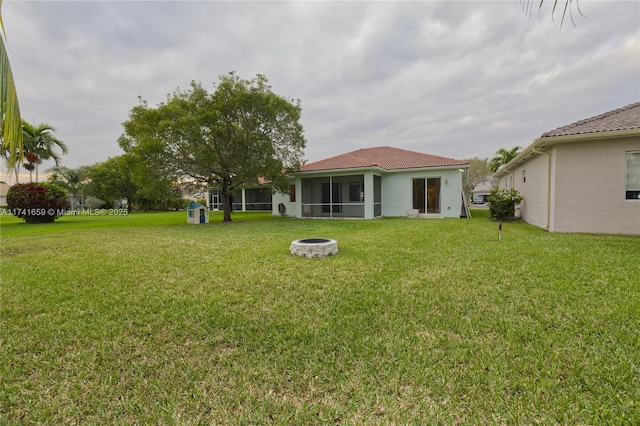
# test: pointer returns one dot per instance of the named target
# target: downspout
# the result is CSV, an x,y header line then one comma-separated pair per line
x,y
513,180
535,151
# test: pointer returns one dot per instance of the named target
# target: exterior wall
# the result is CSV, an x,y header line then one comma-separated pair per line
x,y
279,197
587,191
292,209
534,191
397,192
590,188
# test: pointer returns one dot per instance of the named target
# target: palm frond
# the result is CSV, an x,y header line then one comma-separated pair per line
x,y
10,120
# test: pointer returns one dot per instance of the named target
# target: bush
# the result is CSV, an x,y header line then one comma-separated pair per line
x,y
37,202
94,202
502,203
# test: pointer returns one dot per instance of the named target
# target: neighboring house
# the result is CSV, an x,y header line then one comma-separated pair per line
x,y
583,177
482,190
250,198
374,182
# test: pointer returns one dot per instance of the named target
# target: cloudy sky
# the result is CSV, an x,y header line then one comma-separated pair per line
x,y
458,78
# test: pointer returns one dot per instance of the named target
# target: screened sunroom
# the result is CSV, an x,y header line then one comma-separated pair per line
x,y
346,196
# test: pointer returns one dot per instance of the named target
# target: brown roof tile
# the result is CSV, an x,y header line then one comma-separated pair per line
x,y
384,157
625,118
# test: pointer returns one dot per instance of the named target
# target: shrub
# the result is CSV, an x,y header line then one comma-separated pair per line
x,y
502,203
94,202
37,202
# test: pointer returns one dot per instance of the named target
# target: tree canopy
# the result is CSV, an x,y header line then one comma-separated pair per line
x,y
478,172
232,137
71,180
39,144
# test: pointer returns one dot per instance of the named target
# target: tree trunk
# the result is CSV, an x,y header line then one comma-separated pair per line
x,y
226,200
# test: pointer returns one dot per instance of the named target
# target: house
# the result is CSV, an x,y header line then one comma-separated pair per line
x,y
582,177
482,190
374,182
248,198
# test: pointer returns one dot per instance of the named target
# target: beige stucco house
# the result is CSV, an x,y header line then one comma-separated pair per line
x,y
582,177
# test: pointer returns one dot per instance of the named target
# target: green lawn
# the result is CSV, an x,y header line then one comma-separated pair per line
x,y
145,319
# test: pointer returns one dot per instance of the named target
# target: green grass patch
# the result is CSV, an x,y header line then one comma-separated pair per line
x,y
146,319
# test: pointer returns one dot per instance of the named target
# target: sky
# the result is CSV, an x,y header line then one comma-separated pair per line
x,y
459,79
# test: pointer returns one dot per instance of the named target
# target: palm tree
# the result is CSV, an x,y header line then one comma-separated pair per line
x,y
527,6
10,120
73,180
39,144
503,156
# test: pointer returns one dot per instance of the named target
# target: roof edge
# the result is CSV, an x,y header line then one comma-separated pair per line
x,y
544,142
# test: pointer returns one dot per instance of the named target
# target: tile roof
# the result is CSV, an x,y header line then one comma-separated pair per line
x,y
384,157
625,118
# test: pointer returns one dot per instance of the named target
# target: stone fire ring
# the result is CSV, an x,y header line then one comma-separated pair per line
x,y
314,247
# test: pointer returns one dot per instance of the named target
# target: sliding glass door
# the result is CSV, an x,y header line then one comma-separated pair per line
x,y
426,195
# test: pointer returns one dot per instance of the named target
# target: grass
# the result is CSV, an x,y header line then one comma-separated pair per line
x,y
144,319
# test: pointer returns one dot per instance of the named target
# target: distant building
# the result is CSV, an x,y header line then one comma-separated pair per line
x,y
482,189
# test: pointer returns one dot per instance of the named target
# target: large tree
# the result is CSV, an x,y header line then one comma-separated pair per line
x,y
39,144
112,181
478,172
232,137
503,156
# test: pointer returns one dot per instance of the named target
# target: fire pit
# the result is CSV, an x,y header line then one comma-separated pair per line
x,y
314,247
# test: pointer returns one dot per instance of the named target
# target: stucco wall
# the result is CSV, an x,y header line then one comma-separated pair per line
x,y
534,191
587,191
397,191
590,188
279,197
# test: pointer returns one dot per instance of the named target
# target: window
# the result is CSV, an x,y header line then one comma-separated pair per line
x,y
292,194
632,175
356,191
524,176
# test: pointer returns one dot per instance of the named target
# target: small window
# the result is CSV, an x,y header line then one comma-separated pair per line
x,y
524,176
356,191
292,194
632,187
